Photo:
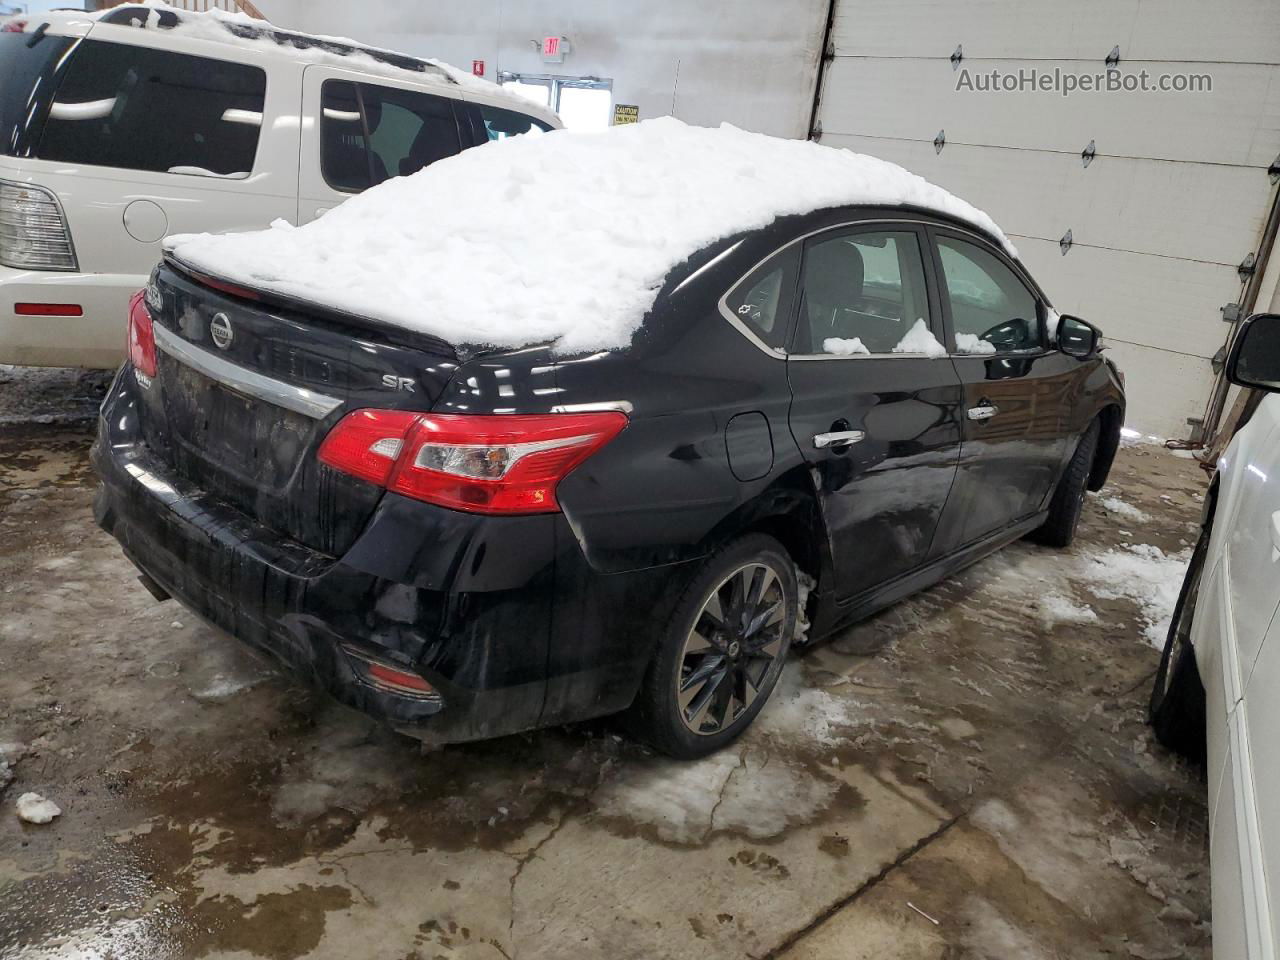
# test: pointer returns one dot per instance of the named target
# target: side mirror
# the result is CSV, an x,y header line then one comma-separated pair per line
x,y
1254,360
1077,338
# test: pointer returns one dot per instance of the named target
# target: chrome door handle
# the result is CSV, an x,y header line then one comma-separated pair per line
x,y
983,412
824,440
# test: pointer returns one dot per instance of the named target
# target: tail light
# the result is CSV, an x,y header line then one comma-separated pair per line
x,y
33,231
13,26
479,464
142,337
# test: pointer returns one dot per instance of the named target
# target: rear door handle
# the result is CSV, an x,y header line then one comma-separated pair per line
x,y
824,440
984,411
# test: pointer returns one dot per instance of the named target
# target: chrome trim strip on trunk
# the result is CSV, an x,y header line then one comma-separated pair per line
x,y
298,399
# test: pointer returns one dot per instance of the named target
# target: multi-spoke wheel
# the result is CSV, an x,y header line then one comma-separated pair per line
x,y
723,650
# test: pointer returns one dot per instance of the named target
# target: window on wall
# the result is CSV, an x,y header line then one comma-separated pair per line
x,y
369,133
584,103
992,311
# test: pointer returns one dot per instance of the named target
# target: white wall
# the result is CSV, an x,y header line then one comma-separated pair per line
x,y
751,63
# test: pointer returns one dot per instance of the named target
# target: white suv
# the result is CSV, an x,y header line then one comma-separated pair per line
x,y
119,128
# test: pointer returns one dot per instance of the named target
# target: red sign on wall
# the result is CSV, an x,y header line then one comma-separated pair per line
x,y
550,46
477,67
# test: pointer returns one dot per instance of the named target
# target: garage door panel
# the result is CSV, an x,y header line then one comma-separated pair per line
x,y
1163,390
1152,301
1237,123
1195,211
1234,31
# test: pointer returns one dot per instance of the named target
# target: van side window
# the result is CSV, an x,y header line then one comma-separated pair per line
x,y
142,109
500,124
369,133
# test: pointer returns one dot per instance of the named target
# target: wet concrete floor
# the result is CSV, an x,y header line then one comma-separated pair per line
x,y
966,775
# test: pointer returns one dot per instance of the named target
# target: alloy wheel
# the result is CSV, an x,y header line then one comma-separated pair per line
x,y
736,640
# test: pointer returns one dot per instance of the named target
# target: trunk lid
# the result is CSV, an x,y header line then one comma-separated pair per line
x,y
246,390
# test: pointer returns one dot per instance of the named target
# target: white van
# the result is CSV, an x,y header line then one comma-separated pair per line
x,y
119,128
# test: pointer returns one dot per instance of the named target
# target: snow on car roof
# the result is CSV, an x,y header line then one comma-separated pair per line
x,y
562,238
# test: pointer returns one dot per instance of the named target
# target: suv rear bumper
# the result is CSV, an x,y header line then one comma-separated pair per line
x,y
467,602
95,339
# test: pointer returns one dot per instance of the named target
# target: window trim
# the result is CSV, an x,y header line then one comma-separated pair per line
x,y
1042,302
931,280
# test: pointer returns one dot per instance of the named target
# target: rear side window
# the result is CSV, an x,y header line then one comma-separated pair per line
x,y
369,133
761,302
27,64
142,109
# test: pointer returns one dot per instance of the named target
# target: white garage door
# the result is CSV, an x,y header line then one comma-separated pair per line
x,y
1174,199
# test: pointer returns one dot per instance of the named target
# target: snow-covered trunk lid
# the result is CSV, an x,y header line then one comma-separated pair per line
x,y
245,392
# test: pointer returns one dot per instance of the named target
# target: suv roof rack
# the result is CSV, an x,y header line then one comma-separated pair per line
x,y
168,19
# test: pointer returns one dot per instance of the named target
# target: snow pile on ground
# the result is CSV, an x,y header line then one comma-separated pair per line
x,y
1121,509
1144,574
920,339
447,250
797,712
34,808
1054,609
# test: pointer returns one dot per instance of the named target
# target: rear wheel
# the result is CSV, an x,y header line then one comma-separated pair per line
x,y
722,651
1059,528
1177,709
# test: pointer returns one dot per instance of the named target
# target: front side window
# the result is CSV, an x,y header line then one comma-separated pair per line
x,y
141,109
864,293
500,124
992,311
761,301
370,133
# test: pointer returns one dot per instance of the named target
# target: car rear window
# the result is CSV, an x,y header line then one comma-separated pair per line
x,y
27,64
369,133
142,109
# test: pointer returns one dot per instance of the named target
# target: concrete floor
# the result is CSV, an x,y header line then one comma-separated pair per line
x,y
960,777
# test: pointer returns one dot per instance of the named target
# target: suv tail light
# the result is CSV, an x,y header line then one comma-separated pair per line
x,y
33,231
507,464
142,337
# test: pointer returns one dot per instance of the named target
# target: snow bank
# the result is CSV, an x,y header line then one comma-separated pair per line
x,y
563,238
34,808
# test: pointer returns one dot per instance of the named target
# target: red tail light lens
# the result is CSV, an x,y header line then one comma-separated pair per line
x,y
480,464
142,337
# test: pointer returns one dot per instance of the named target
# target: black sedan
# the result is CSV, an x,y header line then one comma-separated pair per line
x,y
473,543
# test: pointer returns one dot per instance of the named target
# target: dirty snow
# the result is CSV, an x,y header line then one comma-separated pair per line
x,y
1121,509
446,251
804,587
1144,574
1054,608
920,339
34,808
800,713
844,347
972,343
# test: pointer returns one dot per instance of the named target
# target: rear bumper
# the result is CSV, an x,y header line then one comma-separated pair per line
x,y
469,603
95,339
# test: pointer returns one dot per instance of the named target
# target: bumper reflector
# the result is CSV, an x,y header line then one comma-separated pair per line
x,y
390,678
48,309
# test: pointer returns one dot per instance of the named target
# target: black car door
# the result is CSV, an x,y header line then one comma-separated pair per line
x,y
875,400
1017,389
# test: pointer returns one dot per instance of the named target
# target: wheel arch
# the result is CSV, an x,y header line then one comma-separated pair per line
x,y
1110,419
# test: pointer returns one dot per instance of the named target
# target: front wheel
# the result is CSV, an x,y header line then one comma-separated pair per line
x,y
722,652
1059,527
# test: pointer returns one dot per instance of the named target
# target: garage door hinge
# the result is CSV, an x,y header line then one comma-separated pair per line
x,y
1065,243
1247,267
1087,153
1274,170
1113,58
1219,360
940,141
816,132
957,56
1231,312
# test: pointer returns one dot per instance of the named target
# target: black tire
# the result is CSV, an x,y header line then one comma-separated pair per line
x,y
1177,709
1059,528
730,656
